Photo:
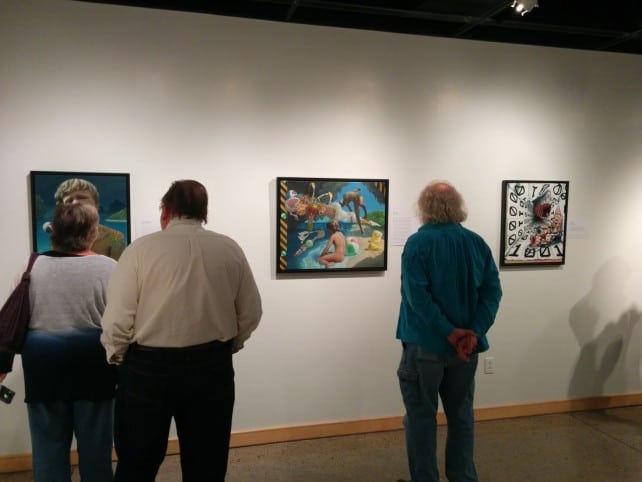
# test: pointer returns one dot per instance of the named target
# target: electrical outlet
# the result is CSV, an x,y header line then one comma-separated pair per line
x,y
489,365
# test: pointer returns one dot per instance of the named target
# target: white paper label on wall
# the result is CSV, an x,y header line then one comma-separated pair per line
x,y
403,223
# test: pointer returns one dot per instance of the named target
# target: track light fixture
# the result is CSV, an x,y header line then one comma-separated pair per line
x,y
524,6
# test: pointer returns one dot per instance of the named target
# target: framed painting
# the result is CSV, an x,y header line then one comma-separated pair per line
x,y
331,225
109,192
534,217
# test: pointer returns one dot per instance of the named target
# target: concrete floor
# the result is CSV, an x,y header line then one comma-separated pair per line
x,y
593,446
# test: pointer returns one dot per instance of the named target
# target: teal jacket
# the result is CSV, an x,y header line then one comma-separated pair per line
x,y
448,279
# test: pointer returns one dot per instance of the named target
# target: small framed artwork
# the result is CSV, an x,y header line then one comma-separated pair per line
x,y
331,225
534,217
109,192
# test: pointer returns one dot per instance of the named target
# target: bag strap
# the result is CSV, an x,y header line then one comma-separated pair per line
x,y
32,260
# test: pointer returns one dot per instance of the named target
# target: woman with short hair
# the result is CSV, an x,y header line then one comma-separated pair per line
x,y
69,387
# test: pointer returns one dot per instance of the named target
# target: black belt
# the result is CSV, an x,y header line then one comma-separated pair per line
x,y
170,349
191,353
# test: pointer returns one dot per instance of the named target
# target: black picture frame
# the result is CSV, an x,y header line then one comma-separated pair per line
x,y
534,219
113,207
305,206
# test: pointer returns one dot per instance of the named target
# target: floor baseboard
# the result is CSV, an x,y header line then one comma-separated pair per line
x,y
22,462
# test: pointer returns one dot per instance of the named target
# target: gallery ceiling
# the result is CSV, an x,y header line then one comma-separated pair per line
x,y
598,25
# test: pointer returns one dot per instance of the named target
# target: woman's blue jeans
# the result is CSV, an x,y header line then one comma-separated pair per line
x,y
423,378
52,426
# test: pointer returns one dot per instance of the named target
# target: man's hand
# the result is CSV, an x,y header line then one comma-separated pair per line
x,y
464,341
457,334
2,377
466,346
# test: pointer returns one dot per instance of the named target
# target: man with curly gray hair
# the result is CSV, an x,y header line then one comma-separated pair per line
x,y
450,293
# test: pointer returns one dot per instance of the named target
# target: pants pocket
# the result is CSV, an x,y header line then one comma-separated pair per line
x,y
409,385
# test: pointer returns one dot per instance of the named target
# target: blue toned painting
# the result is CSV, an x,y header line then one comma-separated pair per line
x,y
113,202
311,211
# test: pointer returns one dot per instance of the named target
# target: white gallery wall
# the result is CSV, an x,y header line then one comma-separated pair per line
x,y
235,103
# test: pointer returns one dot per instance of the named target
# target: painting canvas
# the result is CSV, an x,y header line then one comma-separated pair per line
x,y
534,215
311,210
113,207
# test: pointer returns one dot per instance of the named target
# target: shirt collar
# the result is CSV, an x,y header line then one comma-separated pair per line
x,y
439,225
183,222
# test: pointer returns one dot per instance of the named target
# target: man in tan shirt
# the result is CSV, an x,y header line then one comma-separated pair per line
x,y
179,303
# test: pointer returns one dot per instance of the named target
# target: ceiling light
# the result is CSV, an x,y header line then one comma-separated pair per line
x,y
524,6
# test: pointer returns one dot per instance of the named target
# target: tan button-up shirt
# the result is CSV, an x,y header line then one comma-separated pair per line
x,y
180,287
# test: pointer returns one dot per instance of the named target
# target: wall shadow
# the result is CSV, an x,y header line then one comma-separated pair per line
x,y
606,326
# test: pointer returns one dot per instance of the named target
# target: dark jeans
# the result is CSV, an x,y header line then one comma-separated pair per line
x,y
195,386
423,378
